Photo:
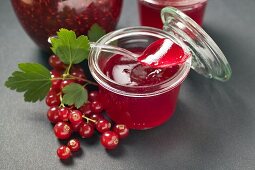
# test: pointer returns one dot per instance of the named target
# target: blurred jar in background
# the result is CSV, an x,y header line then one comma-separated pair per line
x,y
43,18
149,10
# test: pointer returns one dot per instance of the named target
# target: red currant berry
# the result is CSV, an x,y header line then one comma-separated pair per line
x,y
76,127
52,114
109,140
55,84
96,107
79,77
75,117
86,130
86,109
92,124
93,96
74,145
121,130
52,99
62,130
55,73
103,125
64,152
66,82
56,63
64,113
77,68
52,91
96,117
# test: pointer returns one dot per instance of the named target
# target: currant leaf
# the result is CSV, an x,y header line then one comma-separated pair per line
x,y
95,32
33,79
74,94
69,48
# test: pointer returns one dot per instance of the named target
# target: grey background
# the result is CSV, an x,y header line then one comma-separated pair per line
x,y
213,126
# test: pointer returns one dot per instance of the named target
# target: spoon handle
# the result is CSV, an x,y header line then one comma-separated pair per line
x,y
113,49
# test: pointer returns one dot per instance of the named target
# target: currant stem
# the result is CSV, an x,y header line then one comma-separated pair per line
x,y
61,104
68,69
86,80
73,78
88,119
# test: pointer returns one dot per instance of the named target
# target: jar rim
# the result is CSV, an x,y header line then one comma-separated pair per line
x,y
115,87
175,3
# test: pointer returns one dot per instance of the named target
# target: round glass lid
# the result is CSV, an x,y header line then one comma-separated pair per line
x,y
207,58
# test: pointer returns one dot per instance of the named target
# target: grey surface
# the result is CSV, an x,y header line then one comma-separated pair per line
x,y
213,126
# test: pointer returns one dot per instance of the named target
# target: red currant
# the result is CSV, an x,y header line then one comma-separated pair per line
x,y
64,152
96,107
80,77
55,73
121,130
86,130
76,127
62,130
53,91
56,63
52,114
74,145
53,99
77,68
93,96
103,125
86,109
109,140
66,82
64,113
75,117
55,84
96,117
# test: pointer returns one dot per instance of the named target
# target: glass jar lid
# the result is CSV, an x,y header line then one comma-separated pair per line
x,y
207,58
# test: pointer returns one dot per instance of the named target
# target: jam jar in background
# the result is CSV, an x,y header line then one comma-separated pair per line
x,y
149,10
144,107
43,18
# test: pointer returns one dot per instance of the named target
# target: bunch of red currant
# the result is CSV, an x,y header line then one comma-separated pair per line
x,y
83,120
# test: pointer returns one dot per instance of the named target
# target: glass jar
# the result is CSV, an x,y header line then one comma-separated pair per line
x,y
42,19
143,107
149,10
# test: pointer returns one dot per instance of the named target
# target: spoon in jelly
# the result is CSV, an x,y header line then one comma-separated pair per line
x,y
160,54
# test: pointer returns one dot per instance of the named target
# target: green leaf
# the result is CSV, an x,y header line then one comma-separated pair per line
x,y
74,94
95,33
33,79
68,48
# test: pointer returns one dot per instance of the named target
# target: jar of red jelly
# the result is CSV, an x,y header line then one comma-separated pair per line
x,y
150,10
42,19
141,97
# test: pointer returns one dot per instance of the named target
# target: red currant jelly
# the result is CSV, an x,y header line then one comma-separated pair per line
x,y
150,10
42,19
140,112
133,93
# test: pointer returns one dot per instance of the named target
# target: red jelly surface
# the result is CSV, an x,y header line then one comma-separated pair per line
x,y
138,112
163,53
150,13
43,18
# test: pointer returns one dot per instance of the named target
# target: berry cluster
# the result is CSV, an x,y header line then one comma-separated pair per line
x,y
85,120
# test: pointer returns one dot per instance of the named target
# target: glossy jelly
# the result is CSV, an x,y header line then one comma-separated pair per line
x,y
149,10
42,19
138,112
137,95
